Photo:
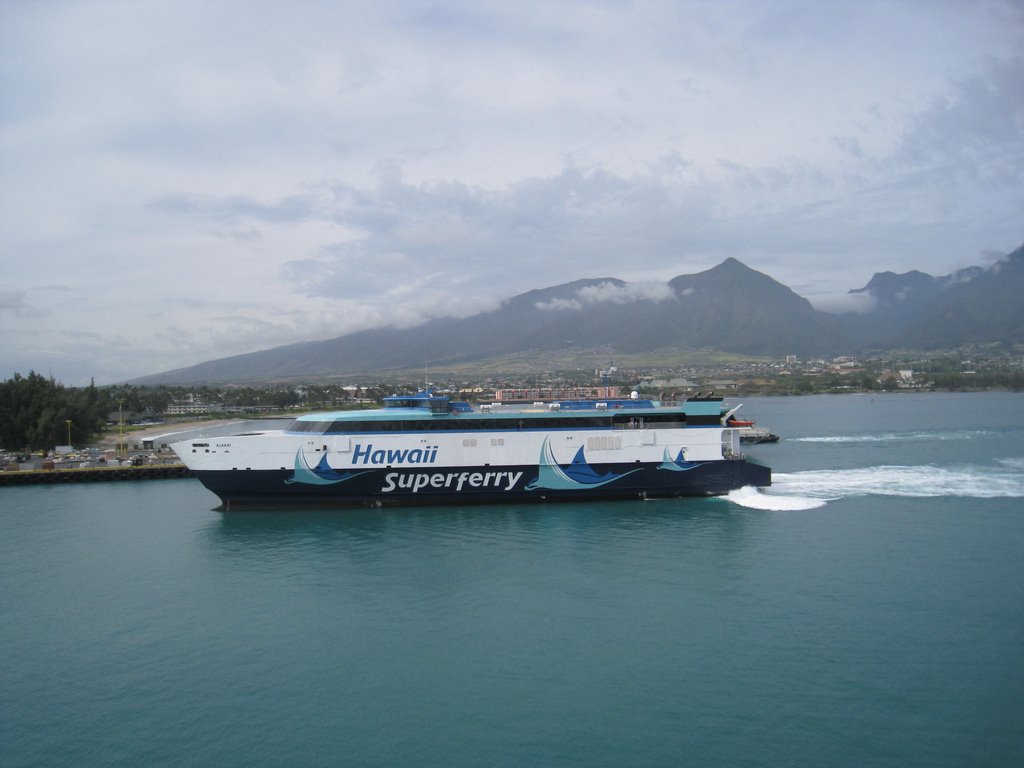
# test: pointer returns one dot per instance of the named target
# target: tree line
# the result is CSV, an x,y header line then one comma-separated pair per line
x,y
39,413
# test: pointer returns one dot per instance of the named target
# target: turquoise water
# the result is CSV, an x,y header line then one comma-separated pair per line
x,y
867,611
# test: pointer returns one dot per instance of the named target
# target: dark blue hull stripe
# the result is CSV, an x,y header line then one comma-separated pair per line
x,y
252,489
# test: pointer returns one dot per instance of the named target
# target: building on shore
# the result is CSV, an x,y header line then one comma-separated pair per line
x,y
535,394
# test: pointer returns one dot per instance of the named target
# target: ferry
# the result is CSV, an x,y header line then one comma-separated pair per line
x,y
428,449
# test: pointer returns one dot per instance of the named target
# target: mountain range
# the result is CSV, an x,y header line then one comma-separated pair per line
x,y
730,308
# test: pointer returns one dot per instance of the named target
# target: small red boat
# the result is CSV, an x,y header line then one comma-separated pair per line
x,y
739,423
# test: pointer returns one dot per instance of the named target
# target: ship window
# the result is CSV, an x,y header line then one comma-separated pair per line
x,y
467,423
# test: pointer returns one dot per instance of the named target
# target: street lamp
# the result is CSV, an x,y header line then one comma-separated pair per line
x,y
69,431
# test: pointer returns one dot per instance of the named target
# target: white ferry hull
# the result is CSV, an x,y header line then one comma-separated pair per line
x,y
273,470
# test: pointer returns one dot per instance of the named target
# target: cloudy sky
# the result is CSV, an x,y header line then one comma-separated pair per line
x,y
191,179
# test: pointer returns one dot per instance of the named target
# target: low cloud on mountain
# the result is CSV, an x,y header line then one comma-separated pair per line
x,y
610,293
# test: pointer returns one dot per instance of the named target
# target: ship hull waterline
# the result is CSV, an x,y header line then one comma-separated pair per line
x,y
522,484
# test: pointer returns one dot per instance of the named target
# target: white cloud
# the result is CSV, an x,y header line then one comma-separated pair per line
x,y
844,303
613,293
610,293
557,305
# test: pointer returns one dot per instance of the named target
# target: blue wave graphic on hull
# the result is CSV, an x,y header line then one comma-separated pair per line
x,y
578,474
678,464
322,474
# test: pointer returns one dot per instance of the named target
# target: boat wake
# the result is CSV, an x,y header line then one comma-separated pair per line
x,y
896,437
814,488
754,498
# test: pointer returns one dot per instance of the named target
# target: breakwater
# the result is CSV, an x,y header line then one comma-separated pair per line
x,y
93,474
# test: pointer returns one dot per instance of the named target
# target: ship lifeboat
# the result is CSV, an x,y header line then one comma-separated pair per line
x,y
739,423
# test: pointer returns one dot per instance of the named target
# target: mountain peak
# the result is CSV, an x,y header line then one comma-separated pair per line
x,y
888,286
732,264
735,277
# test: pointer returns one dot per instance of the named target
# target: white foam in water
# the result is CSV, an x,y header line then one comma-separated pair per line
x,y
813,489
922,482
752,498
893,437
847,439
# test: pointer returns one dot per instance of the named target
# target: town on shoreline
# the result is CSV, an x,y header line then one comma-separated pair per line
x,y
125,422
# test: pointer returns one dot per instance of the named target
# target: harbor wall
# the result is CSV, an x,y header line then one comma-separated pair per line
x,y
93,474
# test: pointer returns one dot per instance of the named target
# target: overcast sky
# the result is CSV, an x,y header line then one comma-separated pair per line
x,y
187,180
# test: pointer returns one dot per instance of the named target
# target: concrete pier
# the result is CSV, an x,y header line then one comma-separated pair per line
x,y
93,474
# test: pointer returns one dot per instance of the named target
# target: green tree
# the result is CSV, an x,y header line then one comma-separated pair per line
x,y
35,411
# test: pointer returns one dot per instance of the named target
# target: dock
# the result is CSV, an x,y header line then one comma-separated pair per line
x,y
93,474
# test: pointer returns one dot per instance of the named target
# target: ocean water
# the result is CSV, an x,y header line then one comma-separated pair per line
x,y
867,610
